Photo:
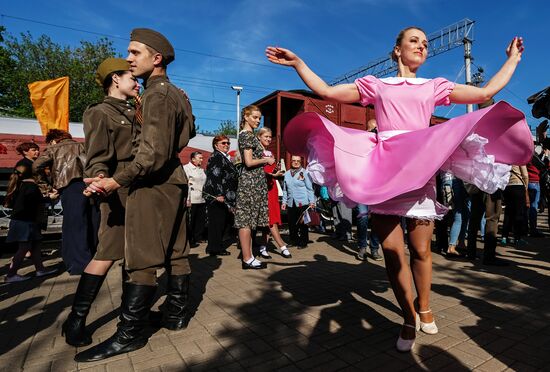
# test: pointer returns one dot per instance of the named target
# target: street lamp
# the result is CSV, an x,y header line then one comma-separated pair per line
x,y
238,90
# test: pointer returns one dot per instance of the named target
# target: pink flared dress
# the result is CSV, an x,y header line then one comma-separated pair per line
x,y
394,171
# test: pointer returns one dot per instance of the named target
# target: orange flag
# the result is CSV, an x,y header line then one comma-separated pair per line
x,y
50,99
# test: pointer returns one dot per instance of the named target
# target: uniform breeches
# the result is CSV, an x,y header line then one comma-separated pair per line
x,y
156,234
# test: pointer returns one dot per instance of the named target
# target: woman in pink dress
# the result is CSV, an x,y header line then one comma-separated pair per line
x,y
393,171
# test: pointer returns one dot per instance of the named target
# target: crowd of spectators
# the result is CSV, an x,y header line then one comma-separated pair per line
x,y
517,206
217,192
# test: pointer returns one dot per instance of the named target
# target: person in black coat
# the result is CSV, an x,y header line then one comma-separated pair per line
x,y
220,192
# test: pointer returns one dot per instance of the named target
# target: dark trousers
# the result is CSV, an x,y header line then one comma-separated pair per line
x,y
299,233
197,222
442,232
342,220
218,221
491,205
79,229
514,198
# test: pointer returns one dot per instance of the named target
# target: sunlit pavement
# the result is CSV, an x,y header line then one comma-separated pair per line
x,y
322,310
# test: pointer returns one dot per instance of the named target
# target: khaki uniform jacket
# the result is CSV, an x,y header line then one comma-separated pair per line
x,y
155,208
168,125
108,131
66,159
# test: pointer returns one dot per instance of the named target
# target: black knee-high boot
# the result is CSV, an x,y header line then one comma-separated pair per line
x,y
74,328
176,306
134,317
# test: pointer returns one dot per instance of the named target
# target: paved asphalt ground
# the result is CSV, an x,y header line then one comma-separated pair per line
x,y
322,310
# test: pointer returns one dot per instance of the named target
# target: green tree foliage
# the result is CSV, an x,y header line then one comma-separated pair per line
x,y
226,127
29,60
7,68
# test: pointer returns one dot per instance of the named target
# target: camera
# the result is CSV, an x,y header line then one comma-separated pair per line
x,y
541,103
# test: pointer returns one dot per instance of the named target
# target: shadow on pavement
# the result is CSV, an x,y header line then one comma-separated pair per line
x,y
320,315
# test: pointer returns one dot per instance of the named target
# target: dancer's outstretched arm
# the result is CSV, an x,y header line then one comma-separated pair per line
x,y
470,94
344,93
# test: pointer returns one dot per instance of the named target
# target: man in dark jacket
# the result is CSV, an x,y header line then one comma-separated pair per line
x,y
155,208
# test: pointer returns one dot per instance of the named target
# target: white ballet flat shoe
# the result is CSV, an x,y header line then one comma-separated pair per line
x,y
429,328
404,346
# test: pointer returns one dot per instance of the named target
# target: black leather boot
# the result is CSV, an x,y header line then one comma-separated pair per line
x,y
176,306
74,328
134,317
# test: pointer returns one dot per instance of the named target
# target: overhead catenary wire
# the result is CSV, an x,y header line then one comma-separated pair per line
x,y
183,80
211,109
103,34
215,86
223,82
462,68
520,100
190,51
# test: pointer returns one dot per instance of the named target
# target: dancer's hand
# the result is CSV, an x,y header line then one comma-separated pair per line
x,y
515,49
283,207
282,56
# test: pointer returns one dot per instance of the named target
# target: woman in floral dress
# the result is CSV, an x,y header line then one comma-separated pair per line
x,y
252,209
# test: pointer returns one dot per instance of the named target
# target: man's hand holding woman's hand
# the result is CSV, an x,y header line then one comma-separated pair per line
x,y
100,185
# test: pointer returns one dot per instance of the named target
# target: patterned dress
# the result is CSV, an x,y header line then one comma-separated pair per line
x,y
252,190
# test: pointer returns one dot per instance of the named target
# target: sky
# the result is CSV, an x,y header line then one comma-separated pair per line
x,y
221,43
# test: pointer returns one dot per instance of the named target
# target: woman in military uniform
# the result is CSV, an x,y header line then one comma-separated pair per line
x,y
108,142
252,190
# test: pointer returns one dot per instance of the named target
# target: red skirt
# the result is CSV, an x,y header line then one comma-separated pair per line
x,y
273,206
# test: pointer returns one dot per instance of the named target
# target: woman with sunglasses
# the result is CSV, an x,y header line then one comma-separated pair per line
x,y
220,192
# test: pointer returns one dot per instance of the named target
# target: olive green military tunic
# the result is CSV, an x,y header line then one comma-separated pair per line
x,y
108,135
156,208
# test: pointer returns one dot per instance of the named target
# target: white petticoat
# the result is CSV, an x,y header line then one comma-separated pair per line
x,y
469,162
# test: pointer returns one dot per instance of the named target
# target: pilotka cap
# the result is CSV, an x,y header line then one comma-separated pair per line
x,y
155,40
108,66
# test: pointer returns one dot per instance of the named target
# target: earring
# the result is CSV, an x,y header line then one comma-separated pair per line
x,y
117,86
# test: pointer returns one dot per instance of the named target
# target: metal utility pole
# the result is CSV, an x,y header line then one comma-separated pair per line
x,y
467,67
238,90
441,41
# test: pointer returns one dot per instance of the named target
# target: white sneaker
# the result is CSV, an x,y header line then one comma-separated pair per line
x,y
16,278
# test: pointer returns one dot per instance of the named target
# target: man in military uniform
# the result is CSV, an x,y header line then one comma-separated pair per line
x,y
155,208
